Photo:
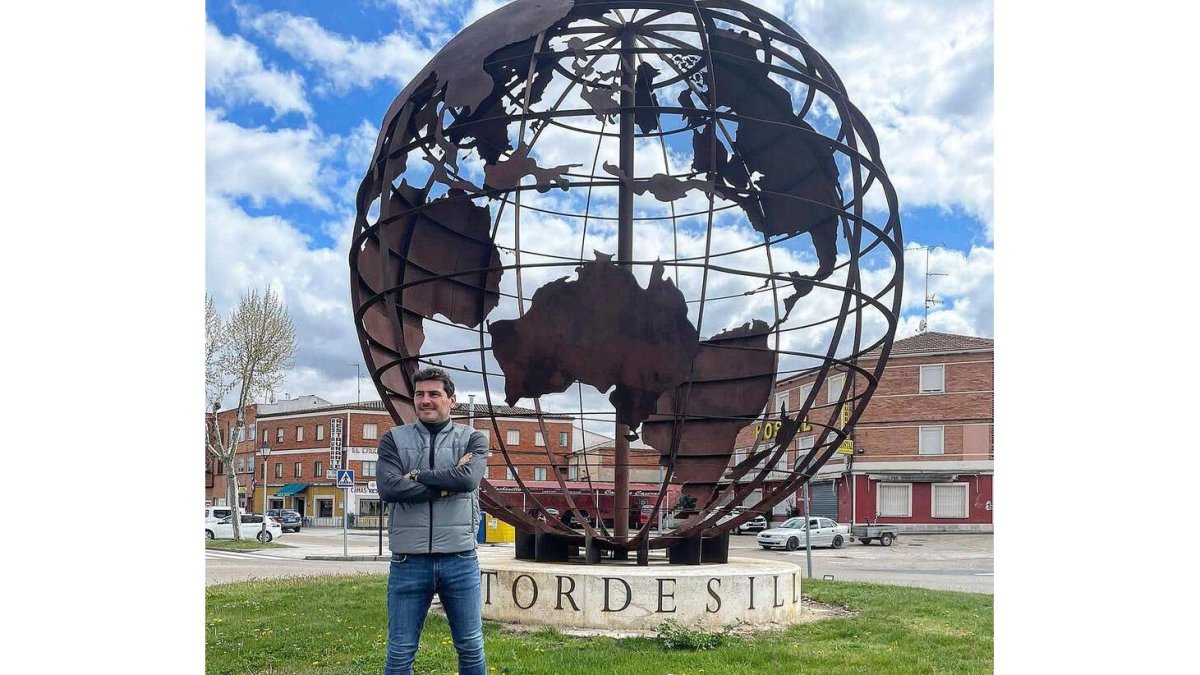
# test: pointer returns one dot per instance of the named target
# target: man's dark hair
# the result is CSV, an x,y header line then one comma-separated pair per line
x,y
435,374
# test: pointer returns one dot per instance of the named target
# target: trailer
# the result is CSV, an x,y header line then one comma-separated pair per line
x,y
867,533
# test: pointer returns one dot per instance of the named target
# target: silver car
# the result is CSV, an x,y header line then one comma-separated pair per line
x,y
790,535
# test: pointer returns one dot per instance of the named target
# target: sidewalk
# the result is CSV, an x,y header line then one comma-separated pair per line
x,y
361,546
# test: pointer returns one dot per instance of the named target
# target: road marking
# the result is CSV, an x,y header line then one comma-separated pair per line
x,y
985,574
239,555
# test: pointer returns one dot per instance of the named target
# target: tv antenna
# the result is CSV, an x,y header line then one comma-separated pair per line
x,y
930,300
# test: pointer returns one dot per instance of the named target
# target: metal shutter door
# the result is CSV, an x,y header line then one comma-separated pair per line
x,y
823,499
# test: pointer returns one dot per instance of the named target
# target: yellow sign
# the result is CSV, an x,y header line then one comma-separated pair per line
x,y
769,432
846,448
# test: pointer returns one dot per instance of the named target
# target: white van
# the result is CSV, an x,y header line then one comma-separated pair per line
x,y
213,514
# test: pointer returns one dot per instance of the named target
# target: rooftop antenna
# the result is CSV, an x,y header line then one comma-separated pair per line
x,y
930,300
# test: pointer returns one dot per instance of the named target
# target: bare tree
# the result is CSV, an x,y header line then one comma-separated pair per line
x,y
248,354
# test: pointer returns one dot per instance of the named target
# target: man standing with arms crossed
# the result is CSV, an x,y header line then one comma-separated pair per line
x,y
429,472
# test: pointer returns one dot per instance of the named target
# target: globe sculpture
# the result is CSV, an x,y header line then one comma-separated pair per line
x,y
643,214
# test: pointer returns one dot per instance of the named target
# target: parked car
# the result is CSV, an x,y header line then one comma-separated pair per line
x,y
568,518
790,535
756,524
252,526
213,514
289,519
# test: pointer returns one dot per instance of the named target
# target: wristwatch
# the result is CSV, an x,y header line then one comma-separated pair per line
x,y
412,475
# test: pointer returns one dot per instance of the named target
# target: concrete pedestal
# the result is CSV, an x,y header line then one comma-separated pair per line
x,y
633,597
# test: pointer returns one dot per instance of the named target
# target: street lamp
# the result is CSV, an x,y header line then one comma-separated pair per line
x,y
264,451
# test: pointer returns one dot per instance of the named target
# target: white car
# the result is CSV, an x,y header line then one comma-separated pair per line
x,y
251,527
755,524
790,535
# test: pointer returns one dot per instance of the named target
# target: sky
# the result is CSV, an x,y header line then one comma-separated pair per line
x,y
295,92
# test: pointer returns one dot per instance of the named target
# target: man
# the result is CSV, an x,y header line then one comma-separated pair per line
x,y
429,473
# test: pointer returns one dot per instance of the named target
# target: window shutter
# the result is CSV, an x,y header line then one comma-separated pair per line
x,y
894,500
950,501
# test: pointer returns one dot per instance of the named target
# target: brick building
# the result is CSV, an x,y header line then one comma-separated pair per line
x,y
921,454
309,438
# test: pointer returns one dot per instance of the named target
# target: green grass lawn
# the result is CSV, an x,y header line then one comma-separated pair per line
x,y
241,545
335,625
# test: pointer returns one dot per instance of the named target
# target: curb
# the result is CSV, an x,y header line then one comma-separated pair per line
x,y
350,558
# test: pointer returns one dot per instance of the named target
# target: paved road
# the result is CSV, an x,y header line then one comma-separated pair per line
x,y
948,562
956,562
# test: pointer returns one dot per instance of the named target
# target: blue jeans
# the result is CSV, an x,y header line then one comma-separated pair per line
x,y
411,584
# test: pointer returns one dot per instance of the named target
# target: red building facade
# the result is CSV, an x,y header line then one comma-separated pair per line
x,y
922,450
290,451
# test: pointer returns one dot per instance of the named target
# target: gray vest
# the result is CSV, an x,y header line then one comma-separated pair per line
x,y
447,524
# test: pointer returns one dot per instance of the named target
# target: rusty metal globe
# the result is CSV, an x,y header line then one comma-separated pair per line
x,y
641,214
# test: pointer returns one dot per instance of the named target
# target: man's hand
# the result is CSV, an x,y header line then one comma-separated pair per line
x,y
465,459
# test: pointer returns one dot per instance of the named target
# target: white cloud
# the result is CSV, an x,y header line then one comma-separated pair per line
x,y
244,251
922,75
281,166
344,62
234,74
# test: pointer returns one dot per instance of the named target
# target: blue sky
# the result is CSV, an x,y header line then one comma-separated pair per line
x,y
295,92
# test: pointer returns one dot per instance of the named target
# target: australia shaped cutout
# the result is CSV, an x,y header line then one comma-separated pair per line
x,y
602,329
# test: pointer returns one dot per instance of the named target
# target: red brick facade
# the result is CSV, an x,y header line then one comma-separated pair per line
x,y
306,458
887,446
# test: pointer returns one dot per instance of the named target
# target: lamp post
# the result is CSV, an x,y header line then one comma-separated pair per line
x,y
264,451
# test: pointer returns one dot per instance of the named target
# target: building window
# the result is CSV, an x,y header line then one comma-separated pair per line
x,y
805,444
279,435
279,469
296,471
539,473
933,379
511,473
241,465
241,434
250,464
317,469
932,441
573,472
563,439
299,433
320,432
513,437
836,384
949,500
324,508
368,468
370,431
781,401
265,431
894,500
538,440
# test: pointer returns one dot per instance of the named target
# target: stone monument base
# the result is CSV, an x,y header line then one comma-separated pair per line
x,y
638,598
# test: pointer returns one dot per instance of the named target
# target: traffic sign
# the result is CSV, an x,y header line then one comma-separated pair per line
x,y
345,478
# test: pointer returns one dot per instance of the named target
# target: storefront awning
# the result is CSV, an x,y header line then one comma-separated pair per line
x,y
926,477
290,489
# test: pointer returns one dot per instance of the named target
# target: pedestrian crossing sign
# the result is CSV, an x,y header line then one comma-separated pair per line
x,y
345,478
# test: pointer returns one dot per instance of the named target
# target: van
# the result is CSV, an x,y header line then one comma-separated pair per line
x,y
213,514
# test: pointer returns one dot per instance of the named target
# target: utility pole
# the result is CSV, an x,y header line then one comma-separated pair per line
x,y
357,382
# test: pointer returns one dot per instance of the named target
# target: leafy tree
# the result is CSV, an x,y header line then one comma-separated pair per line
x,y
248,355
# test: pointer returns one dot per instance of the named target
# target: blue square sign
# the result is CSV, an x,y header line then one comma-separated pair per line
x,y
345,478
